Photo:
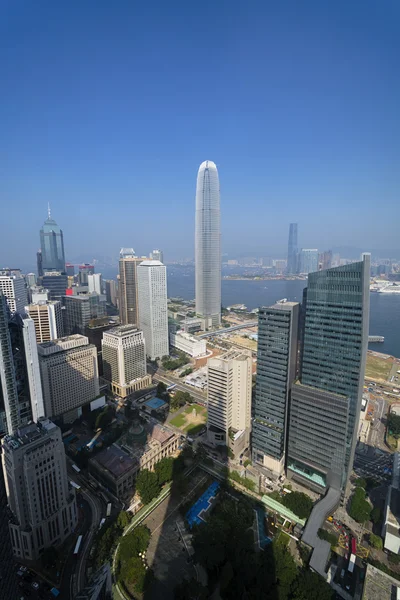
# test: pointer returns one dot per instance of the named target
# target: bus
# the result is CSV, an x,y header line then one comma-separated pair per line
x,y
76,468
102,523
171,387
108,513
353,545
75,485
78,545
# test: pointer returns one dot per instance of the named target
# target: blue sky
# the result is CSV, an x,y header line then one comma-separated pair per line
x,y
107,110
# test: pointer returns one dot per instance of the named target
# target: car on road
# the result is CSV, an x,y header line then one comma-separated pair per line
x,y
23,568
35,585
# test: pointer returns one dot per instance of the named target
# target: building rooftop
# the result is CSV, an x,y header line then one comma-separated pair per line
x,y
28,434
151,263
62,344
115,460
161,434
234,353
379,585
122,330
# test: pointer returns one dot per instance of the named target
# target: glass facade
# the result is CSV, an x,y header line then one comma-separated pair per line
x,y
276,370
308,260
292,266
335,340
208,245
52,247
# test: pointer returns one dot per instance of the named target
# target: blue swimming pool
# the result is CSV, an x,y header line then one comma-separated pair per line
x,y
202,504
264,540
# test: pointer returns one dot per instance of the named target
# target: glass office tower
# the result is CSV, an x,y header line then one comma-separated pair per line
x,y
276,371
208,245
326,402
52,246
292,256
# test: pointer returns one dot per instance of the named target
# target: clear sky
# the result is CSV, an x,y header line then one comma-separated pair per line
x,y
108,108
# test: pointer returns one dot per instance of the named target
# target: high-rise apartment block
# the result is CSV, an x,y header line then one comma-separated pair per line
x,y
20,387
124,360
39,497
208,245
52,246
153,312
157,255
326,401
13,286
70,269
128,287
30,279
48,320
84,271
111,291
276,372
308,260
70,378
292,256
229,379
95,283
325,260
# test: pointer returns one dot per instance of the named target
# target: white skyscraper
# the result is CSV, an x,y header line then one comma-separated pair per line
x,y
208,245
95,283
13,286
153,314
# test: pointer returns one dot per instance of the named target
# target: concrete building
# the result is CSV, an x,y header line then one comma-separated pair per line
x,y
30,279
95,283
48,320
69,373
276,372
326,402
84,271
153,312
188,343
391,523
111,291
20,387
378,585
13,287
208,246
79,310
229,382
39,497
56,283
128,286
292,256
308,260
8,577
52,246
38,294
192,325
94,332
124,360
117,468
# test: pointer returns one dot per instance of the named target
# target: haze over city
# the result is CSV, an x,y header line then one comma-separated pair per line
x,y
107,113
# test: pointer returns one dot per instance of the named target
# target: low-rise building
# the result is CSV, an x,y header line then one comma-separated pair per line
x,y
380,586
117,467
190,344
391,523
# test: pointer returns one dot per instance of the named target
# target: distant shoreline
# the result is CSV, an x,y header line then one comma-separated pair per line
x,y
261,278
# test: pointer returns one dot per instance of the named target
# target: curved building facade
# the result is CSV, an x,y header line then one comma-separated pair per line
x,y
208,245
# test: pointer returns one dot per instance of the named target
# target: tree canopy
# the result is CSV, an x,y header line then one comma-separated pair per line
x,y
375,541
147,485
299,503
135,542
360,509
164,470
180,399
393,424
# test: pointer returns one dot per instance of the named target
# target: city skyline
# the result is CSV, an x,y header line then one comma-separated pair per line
x,y
308,130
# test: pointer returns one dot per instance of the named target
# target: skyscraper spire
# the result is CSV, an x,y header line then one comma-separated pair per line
x,y
48,210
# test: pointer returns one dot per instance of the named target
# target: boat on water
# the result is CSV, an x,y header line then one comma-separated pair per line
x,y
388,288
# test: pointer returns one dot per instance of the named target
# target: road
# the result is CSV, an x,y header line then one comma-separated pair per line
x,y
246,325
73,578
169,380
374,463
378,426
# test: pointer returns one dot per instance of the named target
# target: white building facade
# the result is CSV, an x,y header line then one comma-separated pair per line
x,y
153,312
190,344
48,320
13,286
229,383
95,283
208,245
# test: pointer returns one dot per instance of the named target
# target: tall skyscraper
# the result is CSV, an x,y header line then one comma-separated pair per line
x,y
292,255
8,577
13,286
52,246
42,503
325,260
95,283
153,312
276,371
80,309
128,287
56,283
111,291
70,269
229,379
84,271
124,360
157,255
326,401
208,245
20,386
48,320
30,279
70,376
39,263
308,260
